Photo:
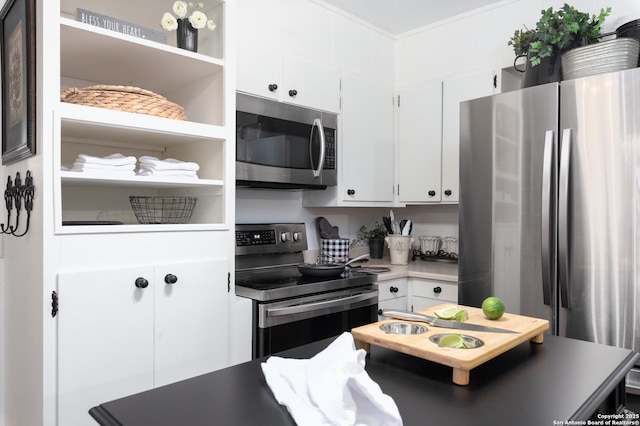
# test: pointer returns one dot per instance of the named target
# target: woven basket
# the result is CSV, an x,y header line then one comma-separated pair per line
x,y
124,98
162,209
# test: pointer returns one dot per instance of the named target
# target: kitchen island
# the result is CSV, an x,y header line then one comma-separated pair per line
x,y
531,385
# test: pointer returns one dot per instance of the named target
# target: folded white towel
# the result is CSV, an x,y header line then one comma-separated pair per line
x,y
168,173
112,160
90,166
105,173
332,388
167,164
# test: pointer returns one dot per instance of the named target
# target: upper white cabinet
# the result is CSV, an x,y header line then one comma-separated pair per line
x,y
419,144
428,142
365,147
285,78
91,55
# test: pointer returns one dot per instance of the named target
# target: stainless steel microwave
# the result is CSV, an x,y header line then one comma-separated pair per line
x,y
284,146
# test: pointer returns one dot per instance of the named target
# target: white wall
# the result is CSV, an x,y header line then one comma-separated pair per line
x,y
479,39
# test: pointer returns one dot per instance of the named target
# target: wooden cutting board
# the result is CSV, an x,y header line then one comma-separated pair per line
x,y
462,360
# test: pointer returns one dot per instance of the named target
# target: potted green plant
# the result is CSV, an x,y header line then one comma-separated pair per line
x,y
556,32
374,237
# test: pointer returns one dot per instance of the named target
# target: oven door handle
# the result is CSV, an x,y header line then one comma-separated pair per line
x,y
307,307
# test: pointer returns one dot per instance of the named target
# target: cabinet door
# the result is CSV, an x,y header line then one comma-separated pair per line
x,y
105,339
311,85
428,293
367,141
420,143
454,91
192,319
259,72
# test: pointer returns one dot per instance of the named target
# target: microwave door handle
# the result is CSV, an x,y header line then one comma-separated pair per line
x,y
317,123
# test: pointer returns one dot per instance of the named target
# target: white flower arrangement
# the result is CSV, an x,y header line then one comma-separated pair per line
x,y
181,9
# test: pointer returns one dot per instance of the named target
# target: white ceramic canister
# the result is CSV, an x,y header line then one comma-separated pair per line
x,y
399,248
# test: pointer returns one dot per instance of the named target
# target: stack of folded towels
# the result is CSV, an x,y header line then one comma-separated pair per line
x,y
116,164
170,167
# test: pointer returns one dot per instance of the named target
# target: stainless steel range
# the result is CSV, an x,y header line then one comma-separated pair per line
x,y
290,309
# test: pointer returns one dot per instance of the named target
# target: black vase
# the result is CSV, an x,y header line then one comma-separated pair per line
x,y
376,248
187,36
547,71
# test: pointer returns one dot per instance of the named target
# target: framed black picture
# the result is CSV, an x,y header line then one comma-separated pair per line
x,y
17,49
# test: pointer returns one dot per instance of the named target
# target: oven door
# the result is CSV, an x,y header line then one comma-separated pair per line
x,y
289,323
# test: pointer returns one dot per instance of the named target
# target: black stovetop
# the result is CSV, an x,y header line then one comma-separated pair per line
x,y
287,282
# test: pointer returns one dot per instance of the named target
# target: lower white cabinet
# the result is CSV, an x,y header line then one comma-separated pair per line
x,y
392,294
428,293
126,330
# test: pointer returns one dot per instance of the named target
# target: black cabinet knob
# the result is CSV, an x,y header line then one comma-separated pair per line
x,y
351,191
432,193
273,87
393,289
380,312
447,192
170,279
437,290
293,93
141,282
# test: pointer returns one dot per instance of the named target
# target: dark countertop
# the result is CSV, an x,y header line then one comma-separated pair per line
x,y
561,379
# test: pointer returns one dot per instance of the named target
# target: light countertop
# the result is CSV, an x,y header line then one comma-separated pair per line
x,y
434,270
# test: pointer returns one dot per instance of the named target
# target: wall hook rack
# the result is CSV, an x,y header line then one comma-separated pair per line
x,y
16,195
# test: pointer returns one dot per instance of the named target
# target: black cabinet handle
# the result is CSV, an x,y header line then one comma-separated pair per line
x,y
447,192
432,193
437,290
141,282
351,191
293,93
170,279
273,87
393,289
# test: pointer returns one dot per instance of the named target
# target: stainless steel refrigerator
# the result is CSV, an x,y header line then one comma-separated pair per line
x,y
550,206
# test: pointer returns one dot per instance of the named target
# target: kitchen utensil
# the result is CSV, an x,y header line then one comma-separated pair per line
x,y
387,224
405,228
437,322
323,270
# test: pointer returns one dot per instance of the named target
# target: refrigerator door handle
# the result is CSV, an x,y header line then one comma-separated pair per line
x,y
563,219
547,215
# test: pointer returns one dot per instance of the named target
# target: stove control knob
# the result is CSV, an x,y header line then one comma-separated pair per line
x,y
297,236
285,236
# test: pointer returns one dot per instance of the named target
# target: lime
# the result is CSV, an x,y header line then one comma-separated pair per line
x,y
493,308
462,315
452,341
446,313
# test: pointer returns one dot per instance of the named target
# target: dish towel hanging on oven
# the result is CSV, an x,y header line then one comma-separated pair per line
x,y
332,388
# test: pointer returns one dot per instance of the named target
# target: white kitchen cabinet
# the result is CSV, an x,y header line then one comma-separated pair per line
x,y
428,143
365,147
288,79
419,143
122,331
392,294
426,293
99,332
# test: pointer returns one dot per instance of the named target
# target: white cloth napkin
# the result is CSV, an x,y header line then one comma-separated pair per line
x,y
149,162
332,388
110,160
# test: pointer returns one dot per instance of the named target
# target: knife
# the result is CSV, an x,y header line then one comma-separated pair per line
x,y
437,322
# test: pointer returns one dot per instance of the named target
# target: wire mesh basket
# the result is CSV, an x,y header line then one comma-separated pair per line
x,y
164,210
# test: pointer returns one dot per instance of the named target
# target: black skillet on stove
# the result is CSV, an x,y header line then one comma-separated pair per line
x,y
326,270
